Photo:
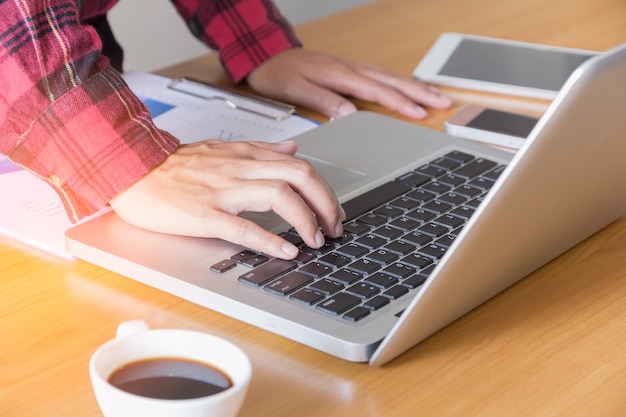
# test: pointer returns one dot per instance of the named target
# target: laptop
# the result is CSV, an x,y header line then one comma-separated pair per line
x,y
413,260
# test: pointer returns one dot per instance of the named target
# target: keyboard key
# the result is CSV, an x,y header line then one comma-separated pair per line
x,y
446,241
475,168
363,290
421,215
326,286
243,255
383,256
414,179
433,251
364,266
405,203
316,269
404,223
413,282
446,163
427,271
431,170
437,187
433,229
468,191
382,280
353,250
288,283
474,203
452,180
400,247
304,256
399,270
294,238
325,248
342,240
495,173
356,314
450,221
417,238
267,272
372,219
223,266
346,276
459,156
255,261
389,211
417,261
463,211
373,199
338,303
355,228
453,198
387,232
396,292
481,182
307,296
335,259
371,241
437,206
376,303
421,195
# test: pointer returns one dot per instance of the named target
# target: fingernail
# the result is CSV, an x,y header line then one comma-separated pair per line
x,y
343,110
342,213
319,238
416,112
338,229
290,250
445,100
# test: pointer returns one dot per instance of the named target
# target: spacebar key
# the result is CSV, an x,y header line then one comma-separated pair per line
x,y
267,272
373,198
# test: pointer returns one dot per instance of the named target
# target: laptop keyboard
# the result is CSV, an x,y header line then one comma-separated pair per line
x,y
394,236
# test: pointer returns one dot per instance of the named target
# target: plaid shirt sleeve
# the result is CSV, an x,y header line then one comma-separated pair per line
x,y
65,115
69,118
246,33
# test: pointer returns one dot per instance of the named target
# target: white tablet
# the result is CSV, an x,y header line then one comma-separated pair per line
x,y
499,66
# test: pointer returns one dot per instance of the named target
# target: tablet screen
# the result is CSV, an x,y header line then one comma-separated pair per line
x,y
512,64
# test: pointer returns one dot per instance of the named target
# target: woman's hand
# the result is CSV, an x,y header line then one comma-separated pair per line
x,y
202,188
320,82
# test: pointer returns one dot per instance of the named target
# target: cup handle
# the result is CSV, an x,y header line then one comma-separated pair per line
x,y
131,327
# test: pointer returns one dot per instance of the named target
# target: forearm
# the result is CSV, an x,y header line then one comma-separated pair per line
x,y
65,115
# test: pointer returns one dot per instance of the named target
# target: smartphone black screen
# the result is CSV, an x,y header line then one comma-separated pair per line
x,y
503,122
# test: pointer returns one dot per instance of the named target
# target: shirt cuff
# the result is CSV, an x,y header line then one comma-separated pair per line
x,y
92,143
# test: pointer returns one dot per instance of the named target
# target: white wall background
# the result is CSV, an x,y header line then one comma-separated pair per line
x,y
154,36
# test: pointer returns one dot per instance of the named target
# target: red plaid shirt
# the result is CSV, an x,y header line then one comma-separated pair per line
x,y
70,119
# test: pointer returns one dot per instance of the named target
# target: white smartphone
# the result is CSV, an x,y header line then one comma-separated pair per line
x,y
491,126
498,65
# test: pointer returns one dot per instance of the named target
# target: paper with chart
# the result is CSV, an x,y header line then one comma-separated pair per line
x,y
33,213
191,118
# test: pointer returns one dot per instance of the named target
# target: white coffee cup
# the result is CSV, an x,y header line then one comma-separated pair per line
x,y
135,342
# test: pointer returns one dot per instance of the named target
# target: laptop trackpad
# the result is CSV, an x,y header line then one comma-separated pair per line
x,y
336,176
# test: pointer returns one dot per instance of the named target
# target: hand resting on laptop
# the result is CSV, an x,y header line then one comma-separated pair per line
x,y
202,188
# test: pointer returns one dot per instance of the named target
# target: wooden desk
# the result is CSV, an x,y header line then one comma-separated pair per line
x,y
554,344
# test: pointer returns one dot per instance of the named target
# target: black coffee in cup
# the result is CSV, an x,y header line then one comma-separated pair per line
x,y
170,379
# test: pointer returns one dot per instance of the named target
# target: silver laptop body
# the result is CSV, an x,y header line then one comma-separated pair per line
x,y
567,182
